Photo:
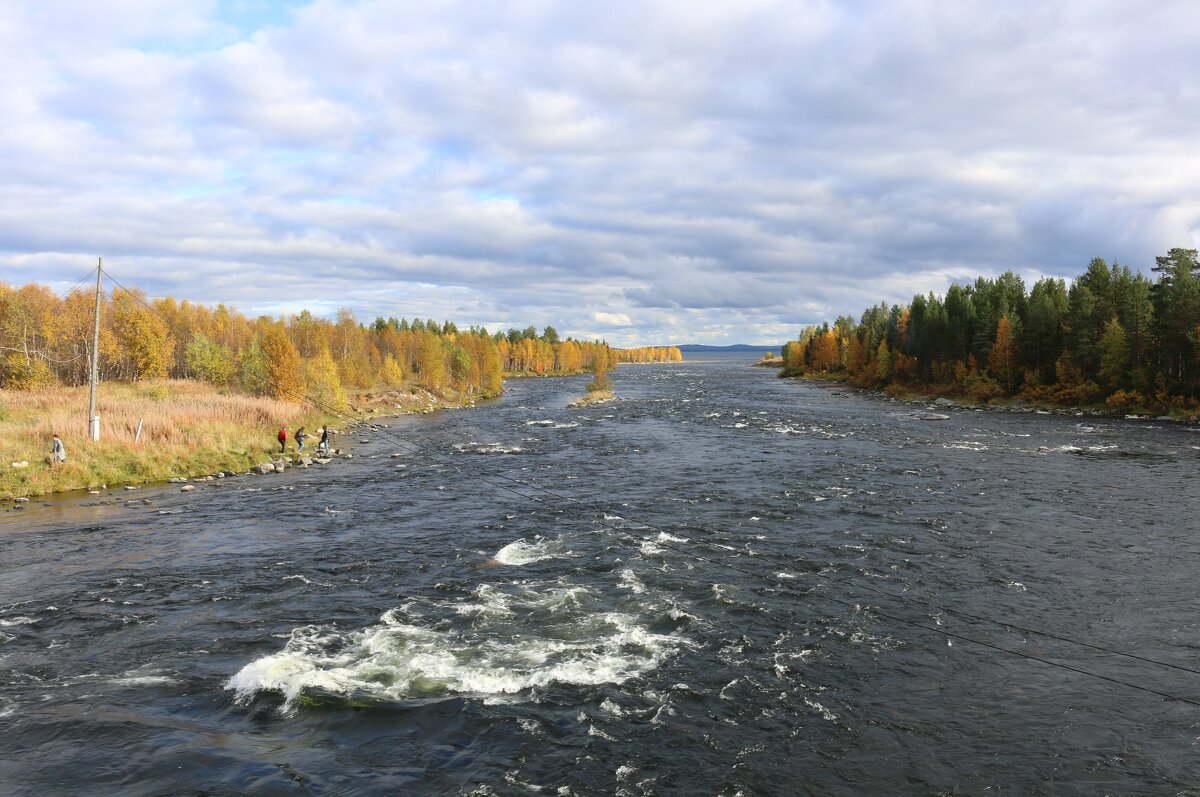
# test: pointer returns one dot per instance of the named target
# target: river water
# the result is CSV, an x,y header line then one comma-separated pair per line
x,y
723,584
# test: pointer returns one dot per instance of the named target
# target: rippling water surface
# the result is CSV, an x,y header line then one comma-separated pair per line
x,y
724,584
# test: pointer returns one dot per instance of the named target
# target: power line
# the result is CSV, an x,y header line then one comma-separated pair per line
x,y
417,449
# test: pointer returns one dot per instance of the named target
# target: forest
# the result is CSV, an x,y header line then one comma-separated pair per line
x,y
45,340
1111,336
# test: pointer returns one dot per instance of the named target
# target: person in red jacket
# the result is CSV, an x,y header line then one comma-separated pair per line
x,y
283,435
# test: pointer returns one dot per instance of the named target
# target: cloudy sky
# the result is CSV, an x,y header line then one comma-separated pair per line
x,y
645,171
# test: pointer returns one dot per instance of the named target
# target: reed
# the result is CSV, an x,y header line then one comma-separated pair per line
x,y
188,429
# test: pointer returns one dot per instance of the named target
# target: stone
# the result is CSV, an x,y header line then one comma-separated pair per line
x,y
322,460
306,461
21,500
130,487
187,488
266,467
397,456
349,456
933,416
943,402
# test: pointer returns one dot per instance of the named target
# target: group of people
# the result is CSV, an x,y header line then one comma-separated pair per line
x,y
300,436
58,452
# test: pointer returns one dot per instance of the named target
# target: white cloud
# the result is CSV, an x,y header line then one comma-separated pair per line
x,y
651,171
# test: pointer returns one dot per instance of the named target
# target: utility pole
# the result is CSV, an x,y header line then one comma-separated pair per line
x,y
93,419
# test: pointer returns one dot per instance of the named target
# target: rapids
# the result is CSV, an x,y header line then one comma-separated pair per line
x,y
722,584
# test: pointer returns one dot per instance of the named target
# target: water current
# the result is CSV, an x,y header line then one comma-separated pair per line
x,y
723,584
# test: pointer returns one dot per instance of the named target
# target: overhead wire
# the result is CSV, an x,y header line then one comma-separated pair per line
x,y
62,297
417,449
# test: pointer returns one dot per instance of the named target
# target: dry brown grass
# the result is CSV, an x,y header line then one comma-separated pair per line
x,y
188,429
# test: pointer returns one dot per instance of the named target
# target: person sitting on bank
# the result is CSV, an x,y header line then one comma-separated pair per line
x,y
282,438
58,452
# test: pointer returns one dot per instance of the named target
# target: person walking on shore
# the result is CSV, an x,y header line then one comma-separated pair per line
x,y
282,437
323,445
58,452
300,440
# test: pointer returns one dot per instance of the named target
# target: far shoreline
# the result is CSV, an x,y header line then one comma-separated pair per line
x,y
938,401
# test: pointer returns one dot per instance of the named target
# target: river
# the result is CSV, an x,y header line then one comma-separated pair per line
x,y
723,584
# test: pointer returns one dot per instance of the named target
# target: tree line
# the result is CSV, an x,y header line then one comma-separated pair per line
x,y
1111,334
46,340
649,354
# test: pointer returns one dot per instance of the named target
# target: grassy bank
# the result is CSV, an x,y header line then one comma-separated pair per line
x,y
188,429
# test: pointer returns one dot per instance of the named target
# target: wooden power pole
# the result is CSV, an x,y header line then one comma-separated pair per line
x,y
93,419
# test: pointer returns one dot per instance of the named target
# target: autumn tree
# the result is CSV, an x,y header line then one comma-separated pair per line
x,y
209,361
323,383
143,336
1002,359
285,377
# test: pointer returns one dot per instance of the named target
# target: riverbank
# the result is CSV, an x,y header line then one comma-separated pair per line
x,y
188,429
945,399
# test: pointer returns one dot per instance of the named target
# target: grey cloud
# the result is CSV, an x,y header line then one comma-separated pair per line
x,y
705,168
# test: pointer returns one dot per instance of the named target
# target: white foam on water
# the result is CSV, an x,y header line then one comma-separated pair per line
x,y
488,448
630,581
609,707
523,552
594,731
966,445
825,713
305,580
648,548
18,620
142,680
665,537
558,641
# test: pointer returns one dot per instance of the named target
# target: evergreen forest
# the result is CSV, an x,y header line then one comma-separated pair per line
x,y
1111,336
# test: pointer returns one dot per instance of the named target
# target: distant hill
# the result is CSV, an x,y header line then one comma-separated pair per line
x,y
698,347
